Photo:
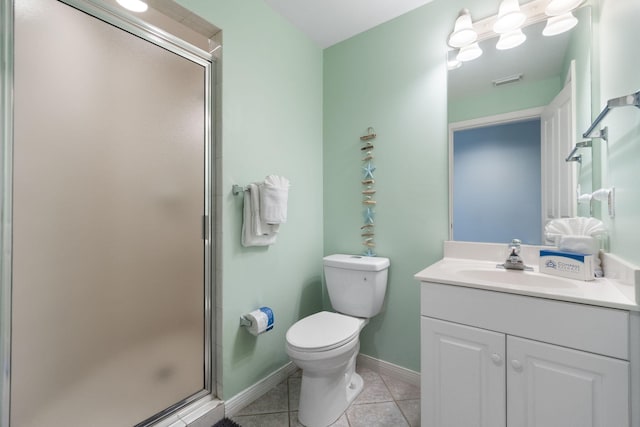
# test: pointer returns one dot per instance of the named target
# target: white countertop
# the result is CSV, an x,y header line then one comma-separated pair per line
x,y
620,290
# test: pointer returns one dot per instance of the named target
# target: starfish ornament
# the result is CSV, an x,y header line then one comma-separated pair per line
x,y
368,170
368,216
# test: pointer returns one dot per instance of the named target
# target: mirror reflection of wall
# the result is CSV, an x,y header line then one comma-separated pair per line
x,y
497,203
544,66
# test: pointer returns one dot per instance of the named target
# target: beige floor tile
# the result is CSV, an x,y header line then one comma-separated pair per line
x,y
294,392
280,419
401,390
375,390
384,414
411,411
275,400
341,422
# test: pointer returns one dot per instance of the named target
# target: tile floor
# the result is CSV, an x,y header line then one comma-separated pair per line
x,y
384,402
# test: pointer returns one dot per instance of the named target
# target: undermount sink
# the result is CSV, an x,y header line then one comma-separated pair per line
x,y
517,277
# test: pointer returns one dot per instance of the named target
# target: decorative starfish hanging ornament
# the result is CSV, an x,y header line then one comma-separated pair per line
x,y
367,230
368,170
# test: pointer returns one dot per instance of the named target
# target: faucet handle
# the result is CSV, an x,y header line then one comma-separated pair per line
x,y
514,246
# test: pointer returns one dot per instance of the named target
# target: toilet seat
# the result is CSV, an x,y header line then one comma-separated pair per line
x,y
323,331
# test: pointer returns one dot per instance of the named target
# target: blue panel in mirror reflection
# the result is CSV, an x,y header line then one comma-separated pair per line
x,y
496,176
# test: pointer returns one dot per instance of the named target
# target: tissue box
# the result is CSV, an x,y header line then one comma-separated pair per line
x,y
567,264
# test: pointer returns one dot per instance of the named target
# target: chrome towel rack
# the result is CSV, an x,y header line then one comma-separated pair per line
x,y
238,189
572,157
622,101
631,100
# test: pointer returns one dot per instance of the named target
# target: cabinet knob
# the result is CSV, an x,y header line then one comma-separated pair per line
x,y
517,365
496,359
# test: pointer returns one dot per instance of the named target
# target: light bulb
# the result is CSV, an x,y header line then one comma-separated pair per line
x,y
559,24
509,17
469,53
463,32
453,63
511,39
134,5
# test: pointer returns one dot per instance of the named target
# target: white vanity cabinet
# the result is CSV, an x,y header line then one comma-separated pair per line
x,y
493,359
549,385
463,375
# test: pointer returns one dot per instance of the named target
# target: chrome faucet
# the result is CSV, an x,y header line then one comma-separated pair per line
x,y
514,261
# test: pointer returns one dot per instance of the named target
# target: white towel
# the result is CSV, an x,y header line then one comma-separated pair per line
x,y
578,235
274,194
577,226
254,231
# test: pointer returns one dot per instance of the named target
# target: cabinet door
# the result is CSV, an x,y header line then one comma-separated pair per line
x,y
551,386
463,376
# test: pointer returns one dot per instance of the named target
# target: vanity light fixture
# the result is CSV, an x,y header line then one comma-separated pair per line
x,y
469,52
510,17
511,39
463,33
559,24
508,24
134,5
560,7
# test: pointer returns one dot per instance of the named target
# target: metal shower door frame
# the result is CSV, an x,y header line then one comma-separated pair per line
x,y
152,34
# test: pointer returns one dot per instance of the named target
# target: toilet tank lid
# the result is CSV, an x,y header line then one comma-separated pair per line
x,y
356,262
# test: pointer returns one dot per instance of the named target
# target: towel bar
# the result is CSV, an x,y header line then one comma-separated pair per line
x,y
571,157
632,99
238,189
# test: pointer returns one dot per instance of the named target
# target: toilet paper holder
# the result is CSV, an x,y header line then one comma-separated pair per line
x,y
245,322
258,321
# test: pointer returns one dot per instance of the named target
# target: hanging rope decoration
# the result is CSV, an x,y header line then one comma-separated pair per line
x,y
367,231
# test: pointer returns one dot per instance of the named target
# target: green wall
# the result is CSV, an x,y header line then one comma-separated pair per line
x,y
619,65
271,99
392,78
505,99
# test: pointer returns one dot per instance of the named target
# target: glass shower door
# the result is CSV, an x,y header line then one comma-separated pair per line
x,y
108,318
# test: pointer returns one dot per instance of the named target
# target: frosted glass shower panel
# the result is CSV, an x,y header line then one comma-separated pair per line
x,y
109,191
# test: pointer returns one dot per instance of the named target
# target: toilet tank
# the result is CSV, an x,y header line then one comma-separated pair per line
x,y
356,284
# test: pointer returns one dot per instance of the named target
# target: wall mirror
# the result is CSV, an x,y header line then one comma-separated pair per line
x,y
500,189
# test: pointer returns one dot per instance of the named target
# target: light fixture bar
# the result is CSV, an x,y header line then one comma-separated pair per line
x,y
534,10
508,79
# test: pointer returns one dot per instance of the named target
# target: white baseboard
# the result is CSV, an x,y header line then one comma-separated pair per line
x,y
248,395
389,369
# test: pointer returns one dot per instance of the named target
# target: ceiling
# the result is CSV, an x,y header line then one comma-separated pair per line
x,y
328,22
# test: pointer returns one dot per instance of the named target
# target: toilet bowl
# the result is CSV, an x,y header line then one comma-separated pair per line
x,y
325,345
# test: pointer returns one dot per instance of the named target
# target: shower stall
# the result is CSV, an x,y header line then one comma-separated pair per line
x,y
106,218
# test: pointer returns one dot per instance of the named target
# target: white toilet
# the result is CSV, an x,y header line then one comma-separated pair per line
x,y
325,345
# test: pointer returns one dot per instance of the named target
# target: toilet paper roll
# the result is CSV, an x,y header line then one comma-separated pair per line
x,y
261,320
